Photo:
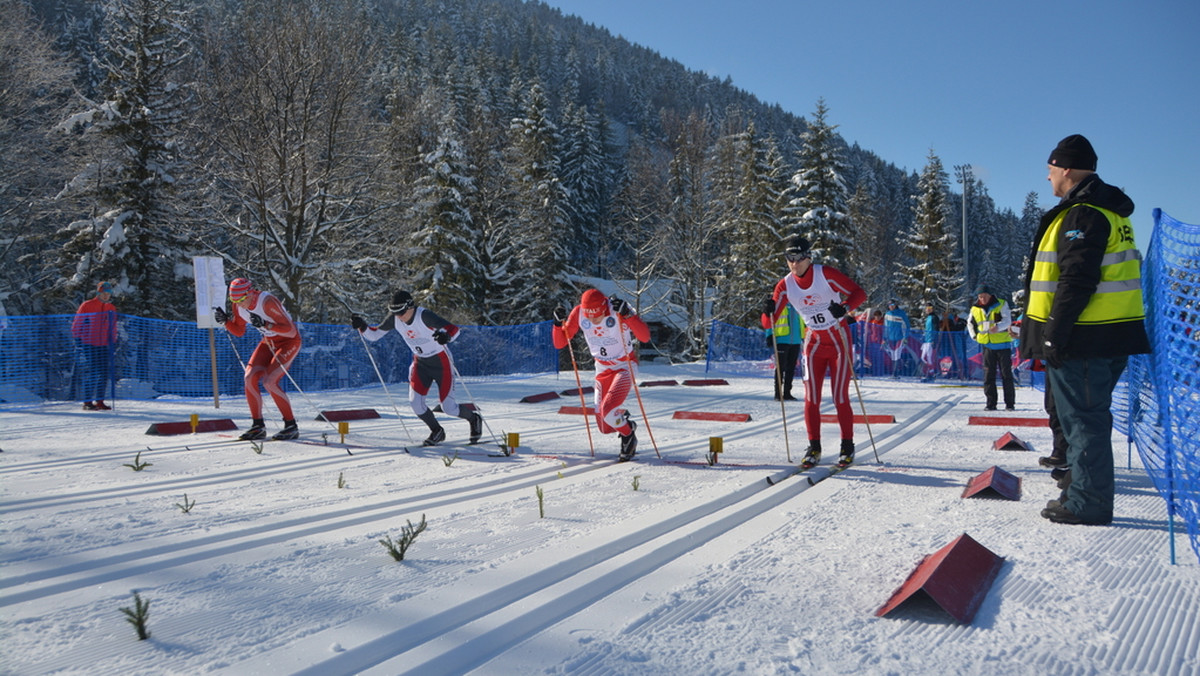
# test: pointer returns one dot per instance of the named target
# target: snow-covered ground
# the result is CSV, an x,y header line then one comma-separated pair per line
x,y
659,566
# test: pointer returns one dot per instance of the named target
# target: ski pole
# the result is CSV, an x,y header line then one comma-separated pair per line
x,y
844,340
582,401
459,379
633,382
286,372
391,400
779,390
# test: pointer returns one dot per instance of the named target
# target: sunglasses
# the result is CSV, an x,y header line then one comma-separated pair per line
x,y
399,309
796,257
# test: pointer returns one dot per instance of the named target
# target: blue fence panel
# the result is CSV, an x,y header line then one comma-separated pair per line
x,y
41,361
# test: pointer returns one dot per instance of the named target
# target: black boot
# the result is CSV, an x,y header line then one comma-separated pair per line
x,y
847,455
437,434
813,455
258,430
476,422
628,443
289,431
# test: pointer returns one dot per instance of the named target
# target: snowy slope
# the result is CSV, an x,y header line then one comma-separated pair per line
x,y
701,570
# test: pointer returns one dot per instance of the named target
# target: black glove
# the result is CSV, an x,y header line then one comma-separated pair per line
x,y
560,315
220,315
619,306
769,307
1052,355
256,321
358,323
837,310
442,336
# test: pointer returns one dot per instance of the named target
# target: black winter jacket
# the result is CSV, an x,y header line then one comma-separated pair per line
x,y
1079,274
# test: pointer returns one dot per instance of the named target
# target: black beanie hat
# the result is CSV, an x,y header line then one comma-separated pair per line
x,y
401,301
1073,152
797,245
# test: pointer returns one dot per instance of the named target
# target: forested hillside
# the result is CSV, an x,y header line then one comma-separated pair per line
x,y
481,153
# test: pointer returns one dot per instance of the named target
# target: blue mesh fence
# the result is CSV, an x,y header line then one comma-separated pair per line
x,y
1165,413
40,360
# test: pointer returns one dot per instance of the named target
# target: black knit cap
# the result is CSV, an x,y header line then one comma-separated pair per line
x,y
401,301
797,245
1073,152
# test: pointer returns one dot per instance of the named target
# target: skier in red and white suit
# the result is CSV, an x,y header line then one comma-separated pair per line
x,y
822,295
609,326
274,355
427,335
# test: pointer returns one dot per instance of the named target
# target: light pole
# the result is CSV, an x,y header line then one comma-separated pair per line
x,y
963,172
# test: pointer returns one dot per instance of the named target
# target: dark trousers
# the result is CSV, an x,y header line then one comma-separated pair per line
x,y
1002,360
786,355
97,371
1083,398
1060,439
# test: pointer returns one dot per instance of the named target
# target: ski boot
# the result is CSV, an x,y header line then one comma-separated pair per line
x,y
628,443
847,455
258,430
436,436
813,455
476,422
289,431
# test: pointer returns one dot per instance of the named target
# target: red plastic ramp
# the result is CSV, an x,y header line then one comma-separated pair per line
x,y
702,415
1010,442
170,428
351,414
577,410
1013,422
534,398
995,483
659,383
957,578
576,391
705,382
858,419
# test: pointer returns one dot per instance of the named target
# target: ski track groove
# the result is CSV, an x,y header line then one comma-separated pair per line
x,y
94,570
663,539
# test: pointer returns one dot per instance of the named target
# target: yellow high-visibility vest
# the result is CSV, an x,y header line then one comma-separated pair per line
x,y
1118,297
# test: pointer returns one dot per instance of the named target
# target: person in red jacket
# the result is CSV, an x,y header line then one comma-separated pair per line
x,y
95,327
275,352
609,326
823,296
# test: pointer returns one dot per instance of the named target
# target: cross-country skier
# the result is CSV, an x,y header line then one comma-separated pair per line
x,y
427,335
274,355
822,295
609,326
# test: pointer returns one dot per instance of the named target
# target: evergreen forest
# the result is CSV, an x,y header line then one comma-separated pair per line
x,y
487,155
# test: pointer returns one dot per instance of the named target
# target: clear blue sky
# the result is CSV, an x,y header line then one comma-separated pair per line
x,y
991,84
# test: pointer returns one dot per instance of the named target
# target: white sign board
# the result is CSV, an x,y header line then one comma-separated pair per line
x,y
210,288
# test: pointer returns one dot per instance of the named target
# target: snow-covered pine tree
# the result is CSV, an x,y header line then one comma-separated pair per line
x,y
538,221
447,274
131,236
935,272
821,192
587,179
752,264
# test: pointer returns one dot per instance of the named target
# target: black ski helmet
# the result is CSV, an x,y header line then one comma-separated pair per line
x,y
401,302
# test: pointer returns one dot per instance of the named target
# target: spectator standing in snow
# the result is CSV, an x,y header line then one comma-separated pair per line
x,y
428,336
95,327
822,295
609,326
895,334
988,325
928,358
785,337
272,357
1085,316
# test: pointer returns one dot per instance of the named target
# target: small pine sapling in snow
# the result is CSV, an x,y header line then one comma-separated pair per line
x,y
541,502
186,505
137,616
449,460
342,480
257,446
408,535
637,481
137,465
